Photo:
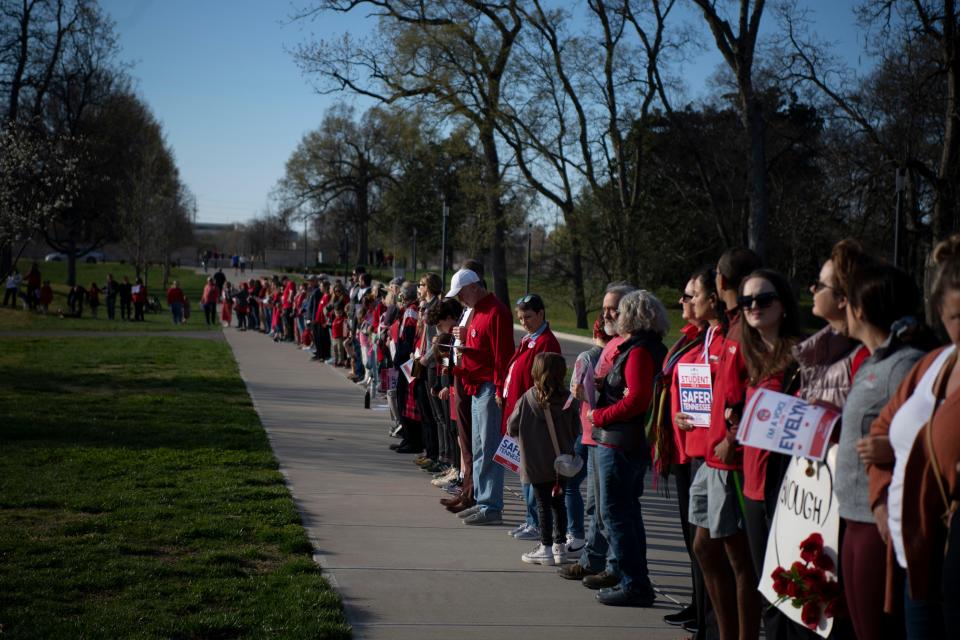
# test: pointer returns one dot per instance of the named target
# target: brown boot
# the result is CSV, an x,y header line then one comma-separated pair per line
x,y
460,506
451,501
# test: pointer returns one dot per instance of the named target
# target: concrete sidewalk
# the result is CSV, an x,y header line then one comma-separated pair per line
x,y
405,567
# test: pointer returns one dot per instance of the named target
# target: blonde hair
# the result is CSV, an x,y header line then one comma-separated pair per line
x,y
548,372
946,255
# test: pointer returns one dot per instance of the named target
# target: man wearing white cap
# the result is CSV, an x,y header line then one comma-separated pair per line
x,y
487,348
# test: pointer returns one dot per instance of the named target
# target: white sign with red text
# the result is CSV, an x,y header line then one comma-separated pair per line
x,y
696,392
785,424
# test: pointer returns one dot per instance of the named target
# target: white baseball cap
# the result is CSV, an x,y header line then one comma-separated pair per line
x,y
461,279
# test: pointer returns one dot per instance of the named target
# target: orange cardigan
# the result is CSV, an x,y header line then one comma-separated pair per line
x,y
923,532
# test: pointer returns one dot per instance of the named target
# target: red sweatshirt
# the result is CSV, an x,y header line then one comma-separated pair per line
x,y
729,390
693,444
754,459
488,346
174,294
519,380
338,329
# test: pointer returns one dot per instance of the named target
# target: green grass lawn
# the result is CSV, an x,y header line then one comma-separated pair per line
x,y
139,498
191,283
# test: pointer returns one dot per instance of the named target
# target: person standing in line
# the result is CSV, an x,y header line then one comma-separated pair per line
x,y
226,305
75,300
13,289
546,428
531,312
486,350
46,297
126,296
110,291
176,300
139,298
622,459
93,298
220,280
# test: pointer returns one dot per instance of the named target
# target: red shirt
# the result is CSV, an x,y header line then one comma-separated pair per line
x,y
729,390
693,444
320,317
638,375
519,380
755,460
141,296
338,329
175,294
487,347
289,290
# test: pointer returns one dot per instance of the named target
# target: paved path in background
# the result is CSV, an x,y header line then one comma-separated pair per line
x,y
405,567
199,335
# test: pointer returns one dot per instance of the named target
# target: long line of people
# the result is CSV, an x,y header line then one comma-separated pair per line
x,y
447,364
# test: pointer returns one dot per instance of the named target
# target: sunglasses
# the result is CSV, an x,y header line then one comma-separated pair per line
x,y
819,286
762,300
685,298
527,298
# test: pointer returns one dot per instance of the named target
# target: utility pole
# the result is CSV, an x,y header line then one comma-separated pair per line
x,y
443,242
529,251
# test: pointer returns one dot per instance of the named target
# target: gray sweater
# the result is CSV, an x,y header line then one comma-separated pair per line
x,y
873,386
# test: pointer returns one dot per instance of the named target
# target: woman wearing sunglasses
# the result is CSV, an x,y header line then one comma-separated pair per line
x,y
881,301
770,332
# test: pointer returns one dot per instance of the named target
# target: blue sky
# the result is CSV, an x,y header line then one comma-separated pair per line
x,y
219,76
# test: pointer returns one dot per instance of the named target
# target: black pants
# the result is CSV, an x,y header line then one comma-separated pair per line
x,y
428,423
321,338
552,511
11,296
950,583
138,310
126,313
242,320
111,307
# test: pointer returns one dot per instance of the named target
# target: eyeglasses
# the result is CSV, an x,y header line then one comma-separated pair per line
x,y
761,300
819,286
527,298
685,298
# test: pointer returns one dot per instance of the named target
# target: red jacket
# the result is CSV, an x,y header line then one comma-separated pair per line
x,y
175,294
339,327
518,379
289,291
141,296
754,459
487,347
729,390
638,373
693,444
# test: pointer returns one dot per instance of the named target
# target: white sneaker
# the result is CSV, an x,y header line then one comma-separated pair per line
x,y
559,553
527,533
541,554
574,547
517,529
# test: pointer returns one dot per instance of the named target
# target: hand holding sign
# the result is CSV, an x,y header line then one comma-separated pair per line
x,y
780,422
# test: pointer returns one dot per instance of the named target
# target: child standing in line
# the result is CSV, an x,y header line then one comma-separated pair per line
x,y
529,424
338,330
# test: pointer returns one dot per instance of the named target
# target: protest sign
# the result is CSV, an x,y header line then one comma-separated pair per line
x,y
407,369
785,424
508,454
696,392
806,505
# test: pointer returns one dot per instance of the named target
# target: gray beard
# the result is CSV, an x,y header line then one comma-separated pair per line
x,y
610,328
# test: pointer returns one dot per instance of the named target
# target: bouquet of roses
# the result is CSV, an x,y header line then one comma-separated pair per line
x,y
810,583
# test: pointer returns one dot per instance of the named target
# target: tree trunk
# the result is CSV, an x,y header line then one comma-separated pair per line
x,y
71,261
576,269
945,211
363,216
491,180
758,222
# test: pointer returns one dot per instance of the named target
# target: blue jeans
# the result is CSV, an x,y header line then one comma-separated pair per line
x,y
572,495
621,485
596,554
176,309
530,498
923,618
487,474
358,361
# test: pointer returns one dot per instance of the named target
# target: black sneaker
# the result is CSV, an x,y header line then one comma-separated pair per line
x,y
682,618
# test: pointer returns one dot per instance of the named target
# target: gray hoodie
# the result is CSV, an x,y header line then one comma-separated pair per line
x,y
873,386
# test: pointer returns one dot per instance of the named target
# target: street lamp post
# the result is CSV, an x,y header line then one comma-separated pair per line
x,y
443,242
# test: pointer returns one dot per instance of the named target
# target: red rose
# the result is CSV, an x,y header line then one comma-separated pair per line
x,y
792,589
780,581
831,590
825,562
814,581
810,614
836,608
797,568
811,547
